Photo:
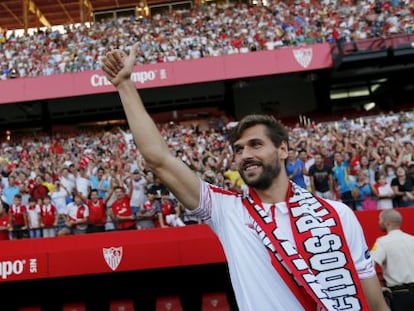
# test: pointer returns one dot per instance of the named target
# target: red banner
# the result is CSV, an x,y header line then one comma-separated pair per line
x,y
108,252
18,263
262,63
112,252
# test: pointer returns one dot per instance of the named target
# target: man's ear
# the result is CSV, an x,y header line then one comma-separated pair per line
x,y
283,150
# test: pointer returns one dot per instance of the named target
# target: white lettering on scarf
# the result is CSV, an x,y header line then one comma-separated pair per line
x,y
328,259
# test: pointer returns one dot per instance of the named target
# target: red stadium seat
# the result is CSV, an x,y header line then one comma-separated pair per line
x,y
122,305
215,302
169,303
30,308
78,306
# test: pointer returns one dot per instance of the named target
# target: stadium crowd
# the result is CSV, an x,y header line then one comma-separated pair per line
x,y
96,180
209,30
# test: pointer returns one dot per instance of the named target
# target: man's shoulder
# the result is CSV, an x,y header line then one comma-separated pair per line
x,y
381,241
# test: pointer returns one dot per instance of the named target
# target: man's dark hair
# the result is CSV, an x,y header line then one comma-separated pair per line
x,y
276,131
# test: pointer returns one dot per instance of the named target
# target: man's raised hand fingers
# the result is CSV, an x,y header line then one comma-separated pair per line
x,y
118,59
114,61
108,67
110,74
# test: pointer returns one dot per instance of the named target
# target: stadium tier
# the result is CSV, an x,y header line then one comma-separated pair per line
x,y
281,61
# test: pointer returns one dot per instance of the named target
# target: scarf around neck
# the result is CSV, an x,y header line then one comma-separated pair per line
x,y
319,254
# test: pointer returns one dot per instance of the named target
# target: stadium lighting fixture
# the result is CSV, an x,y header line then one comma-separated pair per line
x,y
369,106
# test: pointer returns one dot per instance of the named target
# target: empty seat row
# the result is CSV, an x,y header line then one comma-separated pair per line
x,y
211,302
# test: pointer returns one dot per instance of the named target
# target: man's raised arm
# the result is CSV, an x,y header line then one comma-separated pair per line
x,y
180,179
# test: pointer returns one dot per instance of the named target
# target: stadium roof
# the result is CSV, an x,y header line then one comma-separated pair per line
x,y
54,12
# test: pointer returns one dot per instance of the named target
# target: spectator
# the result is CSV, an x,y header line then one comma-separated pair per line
x,y
18,218
385,192
149,210
76,219
100,183
364,193
34,219
121,211
169,214
138,196
403,188
59,196
343,183
68,180
10,191
97,212
83,184
394,253
321,179
49,217
236,182
157,187
38,189
4,223
295,169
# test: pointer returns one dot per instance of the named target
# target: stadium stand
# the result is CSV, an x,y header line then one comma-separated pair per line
x,y
354,34
122,305
215,302
166,303
277,25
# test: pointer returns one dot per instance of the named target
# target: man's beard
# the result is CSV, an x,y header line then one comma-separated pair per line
x,y
265,179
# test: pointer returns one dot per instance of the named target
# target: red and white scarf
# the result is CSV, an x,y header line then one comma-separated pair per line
x,y
321,252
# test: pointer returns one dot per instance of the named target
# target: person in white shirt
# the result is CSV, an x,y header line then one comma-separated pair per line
x,y
385,192
83,183
68,180
138,196
33,219
394,253
267,261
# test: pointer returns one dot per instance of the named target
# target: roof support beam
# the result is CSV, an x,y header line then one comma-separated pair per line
x,y
30,6
85,6
70,19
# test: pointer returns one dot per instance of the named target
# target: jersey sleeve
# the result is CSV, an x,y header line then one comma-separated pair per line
x,y
203,211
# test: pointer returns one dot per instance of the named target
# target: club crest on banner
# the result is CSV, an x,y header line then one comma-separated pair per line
x,y
303,56
113,256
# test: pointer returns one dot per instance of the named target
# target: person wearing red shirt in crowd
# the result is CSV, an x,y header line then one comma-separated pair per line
x,y
169,214
97,212
38,190
18,218
121,211
49,217
148,211
4,223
